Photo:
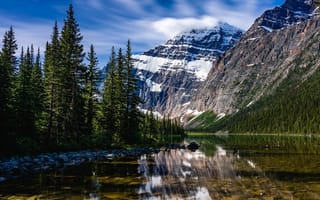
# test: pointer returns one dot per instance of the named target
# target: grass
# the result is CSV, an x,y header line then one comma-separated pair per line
x,y
202,122
200,133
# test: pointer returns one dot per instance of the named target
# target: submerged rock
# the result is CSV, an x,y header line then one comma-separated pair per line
x,y
193,146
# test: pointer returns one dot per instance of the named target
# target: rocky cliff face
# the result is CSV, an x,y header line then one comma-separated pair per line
x,y
292,11
262,58
169,74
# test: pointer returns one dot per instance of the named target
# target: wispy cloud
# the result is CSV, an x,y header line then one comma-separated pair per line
x,y
238,12
172,26
184,8
133,6
27,33
95,4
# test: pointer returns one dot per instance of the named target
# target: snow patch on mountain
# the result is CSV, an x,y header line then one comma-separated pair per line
x,y
267,28
200,68
198,48
154,87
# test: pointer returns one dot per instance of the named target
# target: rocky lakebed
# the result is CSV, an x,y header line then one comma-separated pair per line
x,y
18,166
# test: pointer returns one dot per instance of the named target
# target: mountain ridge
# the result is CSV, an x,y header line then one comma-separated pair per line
x,y
258,64
291,12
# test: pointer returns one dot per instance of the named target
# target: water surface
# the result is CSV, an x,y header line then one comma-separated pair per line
x,y
225,167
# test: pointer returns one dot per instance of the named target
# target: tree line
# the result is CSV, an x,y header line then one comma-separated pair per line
x,y
56,105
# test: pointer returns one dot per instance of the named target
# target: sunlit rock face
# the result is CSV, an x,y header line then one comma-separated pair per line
x,y
281,40
182,174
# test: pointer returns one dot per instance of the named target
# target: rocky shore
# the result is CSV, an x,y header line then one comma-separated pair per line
x,y
29,165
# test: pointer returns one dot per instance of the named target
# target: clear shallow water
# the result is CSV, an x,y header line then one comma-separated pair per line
x,y
225,167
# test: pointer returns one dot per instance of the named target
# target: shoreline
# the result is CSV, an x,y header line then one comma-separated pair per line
x,y
18,166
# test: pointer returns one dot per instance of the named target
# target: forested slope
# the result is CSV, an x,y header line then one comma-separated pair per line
x,y
294,107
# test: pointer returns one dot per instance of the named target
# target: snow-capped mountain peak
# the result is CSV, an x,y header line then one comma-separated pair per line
x,y
198,43
197,35
171,72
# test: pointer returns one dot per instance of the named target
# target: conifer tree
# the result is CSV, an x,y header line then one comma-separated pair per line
x,y
72,55
53,89
91,90
109,109
132,99
38,91
120,95
7,78
25,120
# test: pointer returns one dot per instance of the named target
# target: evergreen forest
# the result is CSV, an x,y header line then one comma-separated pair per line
x,y
54,104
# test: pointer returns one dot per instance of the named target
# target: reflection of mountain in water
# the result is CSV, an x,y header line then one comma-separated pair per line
x,y
183,174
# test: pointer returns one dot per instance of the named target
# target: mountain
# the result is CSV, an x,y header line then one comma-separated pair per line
x,y
170,73
291,12
279,53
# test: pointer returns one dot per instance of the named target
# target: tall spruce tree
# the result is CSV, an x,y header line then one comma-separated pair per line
x,y
72,55
38,91
91,90
120,95
25,118
132,99
109,118
7,77
53,89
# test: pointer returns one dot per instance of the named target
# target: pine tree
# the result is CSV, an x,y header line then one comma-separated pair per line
x,y
38,91
72,55
7,78
120,95
25,120
109,109
132,99
152,125
53,89
91,90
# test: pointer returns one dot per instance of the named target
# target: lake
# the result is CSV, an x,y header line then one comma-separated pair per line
x,y
225,167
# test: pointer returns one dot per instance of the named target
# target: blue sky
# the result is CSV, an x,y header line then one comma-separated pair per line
x,y
107,23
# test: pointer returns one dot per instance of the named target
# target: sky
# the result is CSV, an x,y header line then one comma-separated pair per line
x,y
107,23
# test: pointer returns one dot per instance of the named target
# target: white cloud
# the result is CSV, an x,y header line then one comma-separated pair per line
x,y
170,26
